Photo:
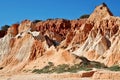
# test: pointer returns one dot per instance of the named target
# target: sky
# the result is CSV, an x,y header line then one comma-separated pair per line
x,y
14,11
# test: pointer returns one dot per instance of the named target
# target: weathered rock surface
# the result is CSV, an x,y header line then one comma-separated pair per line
x,y
106,75
101,12
32,45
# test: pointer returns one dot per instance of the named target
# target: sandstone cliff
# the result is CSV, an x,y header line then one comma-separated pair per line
x,y
31,45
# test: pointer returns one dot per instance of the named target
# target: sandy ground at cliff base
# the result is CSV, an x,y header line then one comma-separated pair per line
x,y
31,76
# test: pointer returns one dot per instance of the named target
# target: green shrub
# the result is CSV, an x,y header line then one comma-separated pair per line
x,y
114,68
36,21
74,68
84,16
86,65
49,19
5,27
46,69
62,68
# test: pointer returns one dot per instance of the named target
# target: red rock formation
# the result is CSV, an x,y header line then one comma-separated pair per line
x,y
58,26
24,26
97,38
13,30
102,44
37,50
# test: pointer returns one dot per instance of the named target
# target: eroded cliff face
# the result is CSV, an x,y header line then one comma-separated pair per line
x,y
31,45
100,44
